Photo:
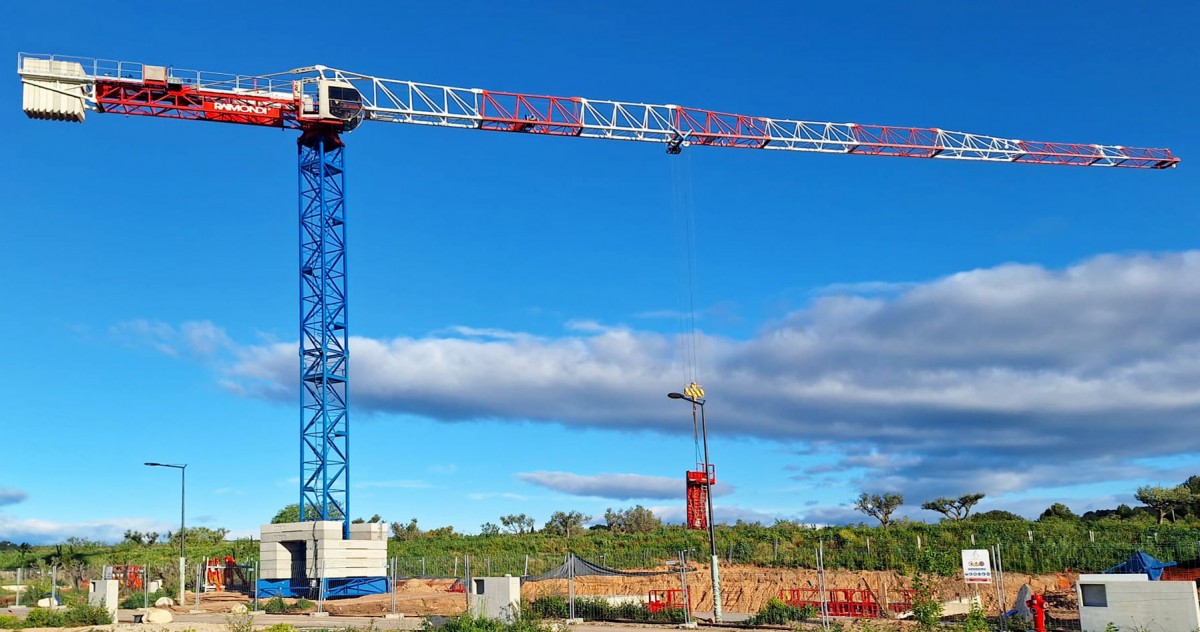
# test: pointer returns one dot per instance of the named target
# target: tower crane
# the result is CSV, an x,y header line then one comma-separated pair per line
x,y
323,103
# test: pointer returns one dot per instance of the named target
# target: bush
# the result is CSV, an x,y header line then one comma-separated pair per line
x,y
467,623
279,627
138,600
240,622
549,607
926,609
9,622
779,612
276,605
599,609
72,617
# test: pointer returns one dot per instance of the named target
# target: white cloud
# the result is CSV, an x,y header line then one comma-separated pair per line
x,y
614,486
196,338
490,495
722,514
37,531
994,380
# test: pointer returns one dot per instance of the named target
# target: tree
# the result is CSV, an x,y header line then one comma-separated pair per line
x,y
1058,511
564,523
879,506
995,515
517,523
635,519
1164,500
489,528
410,531
290,513
954,509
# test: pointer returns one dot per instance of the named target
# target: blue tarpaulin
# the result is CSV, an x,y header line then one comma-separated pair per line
x,y
1141,562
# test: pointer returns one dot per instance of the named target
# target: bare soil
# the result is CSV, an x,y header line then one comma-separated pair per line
x,y
745,589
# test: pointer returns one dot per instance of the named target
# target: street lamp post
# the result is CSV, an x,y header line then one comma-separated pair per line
x,y
712,535
182,496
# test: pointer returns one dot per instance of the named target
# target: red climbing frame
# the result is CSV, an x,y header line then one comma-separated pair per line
x,y
697,495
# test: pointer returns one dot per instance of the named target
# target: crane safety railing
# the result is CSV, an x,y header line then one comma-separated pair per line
x,y
400,101
93,69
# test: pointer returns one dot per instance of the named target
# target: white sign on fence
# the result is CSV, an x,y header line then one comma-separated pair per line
x,y
977,566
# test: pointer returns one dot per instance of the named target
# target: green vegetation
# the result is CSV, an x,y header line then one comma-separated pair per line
x,y
467,623
276,605
599,609
926,608
140,600
70,617
1168,527
778,612
9,622
976,620
243,622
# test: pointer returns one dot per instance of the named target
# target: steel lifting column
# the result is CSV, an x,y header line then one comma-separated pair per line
x,y
324,356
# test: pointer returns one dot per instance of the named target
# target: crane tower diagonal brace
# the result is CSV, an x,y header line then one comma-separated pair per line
x,y
324,357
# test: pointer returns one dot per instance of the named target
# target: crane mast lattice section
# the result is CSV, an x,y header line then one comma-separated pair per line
x,y
324,356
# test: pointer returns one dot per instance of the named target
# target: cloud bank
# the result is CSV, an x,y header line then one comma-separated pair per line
x,y
994,380
614,486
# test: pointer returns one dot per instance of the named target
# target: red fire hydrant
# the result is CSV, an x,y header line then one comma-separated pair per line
x,y
1037,606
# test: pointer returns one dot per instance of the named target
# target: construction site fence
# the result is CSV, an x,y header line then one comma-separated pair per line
x,y
69,582
1024,557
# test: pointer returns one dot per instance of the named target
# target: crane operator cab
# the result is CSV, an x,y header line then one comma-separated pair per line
x,y
335,100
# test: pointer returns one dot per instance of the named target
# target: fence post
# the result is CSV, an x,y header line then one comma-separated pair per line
x,y
687,610
18,586
321,589
145,587
571,583
395,573
53,586
467,583
455,573
423,568
256,572
526,571
489,564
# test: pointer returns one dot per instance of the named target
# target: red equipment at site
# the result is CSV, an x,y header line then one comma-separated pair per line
x,y
698,482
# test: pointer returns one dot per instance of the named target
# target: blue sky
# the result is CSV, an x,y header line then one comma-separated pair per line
x,y
929,327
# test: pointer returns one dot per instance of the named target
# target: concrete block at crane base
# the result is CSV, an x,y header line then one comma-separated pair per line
x,y
353,547
369,531
292,531
352,570
272,548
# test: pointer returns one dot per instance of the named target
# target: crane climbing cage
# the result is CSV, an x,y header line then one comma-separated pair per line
x,y
698,483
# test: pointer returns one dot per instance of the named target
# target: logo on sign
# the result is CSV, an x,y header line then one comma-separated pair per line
x,y
240,108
